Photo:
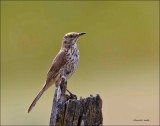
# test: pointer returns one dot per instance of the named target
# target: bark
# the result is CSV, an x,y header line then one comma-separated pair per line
x,y
73,112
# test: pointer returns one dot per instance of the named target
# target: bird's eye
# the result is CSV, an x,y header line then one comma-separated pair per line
x,y
71,36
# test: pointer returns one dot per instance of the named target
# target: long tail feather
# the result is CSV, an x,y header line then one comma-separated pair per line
x,y
45,87
36,99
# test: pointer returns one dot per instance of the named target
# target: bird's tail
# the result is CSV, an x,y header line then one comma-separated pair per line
x,y
36,99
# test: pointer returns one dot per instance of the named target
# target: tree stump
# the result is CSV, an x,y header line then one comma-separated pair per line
x,y
73,112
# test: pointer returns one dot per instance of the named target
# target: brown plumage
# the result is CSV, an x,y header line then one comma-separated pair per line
x,y
63,65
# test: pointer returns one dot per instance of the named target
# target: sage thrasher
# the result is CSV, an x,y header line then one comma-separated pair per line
x,y
64,64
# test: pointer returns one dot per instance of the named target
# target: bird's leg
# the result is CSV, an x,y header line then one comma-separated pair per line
x,y
64,81
72,96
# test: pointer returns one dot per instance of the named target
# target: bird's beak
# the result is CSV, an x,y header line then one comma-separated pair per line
x,y
81,33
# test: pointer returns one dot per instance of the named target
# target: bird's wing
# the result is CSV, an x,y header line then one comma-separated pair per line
x,y
57,63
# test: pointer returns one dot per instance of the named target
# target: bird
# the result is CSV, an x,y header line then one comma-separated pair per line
x,y
63,65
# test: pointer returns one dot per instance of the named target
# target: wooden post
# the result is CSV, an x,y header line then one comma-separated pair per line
x,y
73,112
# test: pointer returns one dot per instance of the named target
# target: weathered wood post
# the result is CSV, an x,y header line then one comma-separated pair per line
x,y
73,112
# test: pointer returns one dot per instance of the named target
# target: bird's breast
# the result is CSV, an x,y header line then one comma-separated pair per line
x,y
72,61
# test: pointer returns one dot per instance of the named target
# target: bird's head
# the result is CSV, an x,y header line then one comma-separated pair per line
x,y
71,38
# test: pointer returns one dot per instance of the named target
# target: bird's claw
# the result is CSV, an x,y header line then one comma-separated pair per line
x,y
72,96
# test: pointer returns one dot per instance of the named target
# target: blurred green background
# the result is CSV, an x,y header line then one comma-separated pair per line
x,y
119,57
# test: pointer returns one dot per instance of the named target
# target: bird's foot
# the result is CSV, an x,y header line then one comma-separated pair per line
x,y
72,96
